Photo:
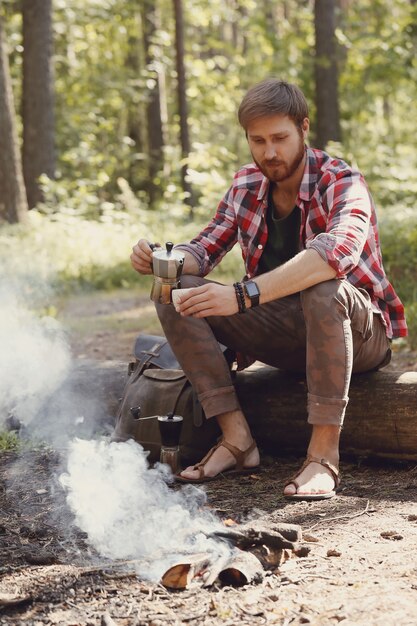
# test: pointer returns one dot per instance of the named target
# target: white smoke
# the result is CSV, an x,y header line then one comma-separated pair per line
x,y
129,511
34,356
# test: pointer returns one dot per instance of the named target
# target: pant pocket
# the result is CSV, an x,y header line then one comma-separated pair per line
x,y
363,321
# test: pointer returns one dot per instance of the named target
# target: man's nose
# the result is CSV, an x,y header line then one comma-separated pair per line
x,y
270,152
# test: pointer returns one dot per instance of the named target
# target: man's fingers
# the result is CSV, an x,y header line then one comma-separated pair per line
x,y
141,257
197,306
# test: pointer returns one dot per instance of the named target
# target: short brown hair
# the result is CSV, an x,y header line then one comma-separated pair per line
x,y
273,97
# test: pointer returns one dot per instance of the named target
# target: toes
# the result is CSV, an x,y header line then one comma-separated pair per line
x,y
189,472
290,490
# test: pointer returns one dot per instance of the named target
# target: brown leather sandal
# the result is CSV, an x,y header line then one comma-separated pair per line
x,y
314,496
239,468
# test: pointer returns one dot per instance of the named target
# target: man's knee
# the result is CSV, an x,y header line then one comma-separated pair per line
x,y
318,298
187,281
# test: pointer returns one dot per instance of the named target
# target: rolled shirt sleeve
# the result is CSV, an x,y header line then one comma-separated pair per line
x,y
217,238
348,206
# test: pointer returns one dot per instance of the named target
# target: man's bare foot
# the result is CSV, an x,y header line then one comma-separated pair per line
x,y
313,480
236,432
220,461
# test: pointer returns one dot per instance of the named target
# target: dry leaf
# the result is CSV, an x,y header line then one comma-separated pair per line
x,y
333,553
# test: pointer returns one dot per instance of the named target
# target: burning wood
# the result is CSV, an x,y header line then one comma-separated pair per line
x,y
237,569
256,548
245,536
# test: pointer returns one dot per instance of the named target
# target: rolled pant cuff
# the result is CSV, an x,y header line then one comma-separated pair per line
x,y
326,410
218,401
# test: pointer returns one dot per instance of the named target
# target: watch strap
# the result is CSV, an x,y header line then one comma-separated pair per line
x,y
252,291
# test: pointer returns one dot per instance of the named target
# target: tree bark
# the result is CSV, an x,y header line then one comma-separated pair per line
x,y
326,74
153,105
13,203
37,96
182,103
380,418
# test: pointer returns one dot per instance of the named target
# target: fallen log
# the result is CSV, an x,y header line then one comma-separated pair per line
x,y
380,418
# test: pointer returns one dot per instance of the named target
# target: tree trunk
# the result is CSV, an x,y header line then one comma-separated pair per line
x,y
37,96
326,74
153,105
182,103
380,417
13,204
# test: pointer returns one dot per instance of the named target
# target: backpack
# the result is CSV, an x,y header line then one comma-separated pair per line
x,y
157,385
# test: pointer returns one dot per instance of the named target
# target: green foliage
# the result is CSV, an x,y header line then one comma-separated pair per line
x,y
399,243
98,205
13,442
67,251
9,441
411,313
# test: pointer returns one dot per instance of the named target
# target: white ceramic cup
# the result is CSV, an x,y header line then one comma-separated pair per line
x,y
177,293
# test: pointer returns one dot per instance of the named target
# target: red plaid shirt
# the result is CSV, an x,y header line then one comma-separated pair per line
x,y
338,220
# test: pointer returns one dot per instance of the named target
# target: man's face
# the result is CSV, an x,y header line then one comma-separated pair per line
x,y
277,145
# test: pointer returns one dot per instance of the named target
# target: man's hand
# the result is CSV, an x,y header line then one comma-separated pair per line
x,y
207,300
141,257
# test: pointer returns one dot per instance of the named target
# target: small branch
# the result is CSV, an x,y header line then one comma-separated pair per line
x,y
347,516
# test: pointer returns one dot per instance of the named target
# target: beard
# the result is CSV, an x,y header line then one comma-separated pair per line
x,y
277,171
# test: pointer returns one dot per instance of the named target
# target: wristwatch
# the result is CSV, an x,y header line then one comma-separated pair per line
x,y
252,291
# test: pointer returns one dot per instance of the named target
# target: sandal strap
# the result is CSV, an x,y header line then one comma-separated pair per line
x,y
334,471
240,456
200,466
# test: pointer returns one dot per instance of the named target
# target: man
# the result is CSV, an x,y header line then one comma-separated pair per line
x,y
315,296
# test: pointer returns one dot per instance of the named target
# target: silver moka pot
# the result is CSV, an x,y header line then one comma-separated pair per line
x,y
167,268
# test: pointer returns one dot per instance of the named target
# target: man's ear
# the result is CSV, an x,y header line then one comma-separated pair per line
x,y
305,127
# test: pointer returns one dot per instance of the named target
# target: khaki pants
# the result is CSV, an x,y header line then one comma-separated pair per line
x,y
327,331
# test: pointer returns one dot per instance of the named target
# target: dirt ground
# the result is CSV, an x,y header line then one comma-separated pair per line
x,y
360,567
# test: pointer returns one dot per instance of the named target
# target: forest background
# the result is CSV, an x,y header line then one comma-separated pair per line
x,y
118,120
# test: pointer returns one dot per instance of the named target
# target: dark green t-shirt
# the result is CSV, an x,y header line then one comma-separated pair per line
x,y
283,238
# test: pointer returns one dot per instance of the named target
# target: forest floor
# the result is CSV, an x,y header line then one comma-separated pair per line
x,y
360,569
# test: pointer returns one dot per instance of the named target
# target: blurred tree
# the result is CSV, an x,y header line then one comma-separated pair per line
x,y
37,96
182,104
154,70
13,203
326,74
136,122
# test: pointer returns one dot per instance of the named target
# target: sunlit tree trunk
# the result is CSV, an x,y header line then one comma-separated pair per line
x,y
13,204
153,105
182,102
37,96
136,122
326,74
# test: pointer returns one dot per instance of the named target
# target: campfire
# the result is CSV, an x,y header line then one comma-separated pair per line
x,y
132,515
256,549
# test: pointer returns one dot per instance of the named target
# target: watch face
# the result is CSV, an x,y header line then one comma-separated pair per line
x,y
252,289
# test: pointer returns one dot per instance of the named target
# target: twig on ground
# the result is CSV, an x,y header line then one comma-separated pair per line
x,y
347,516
